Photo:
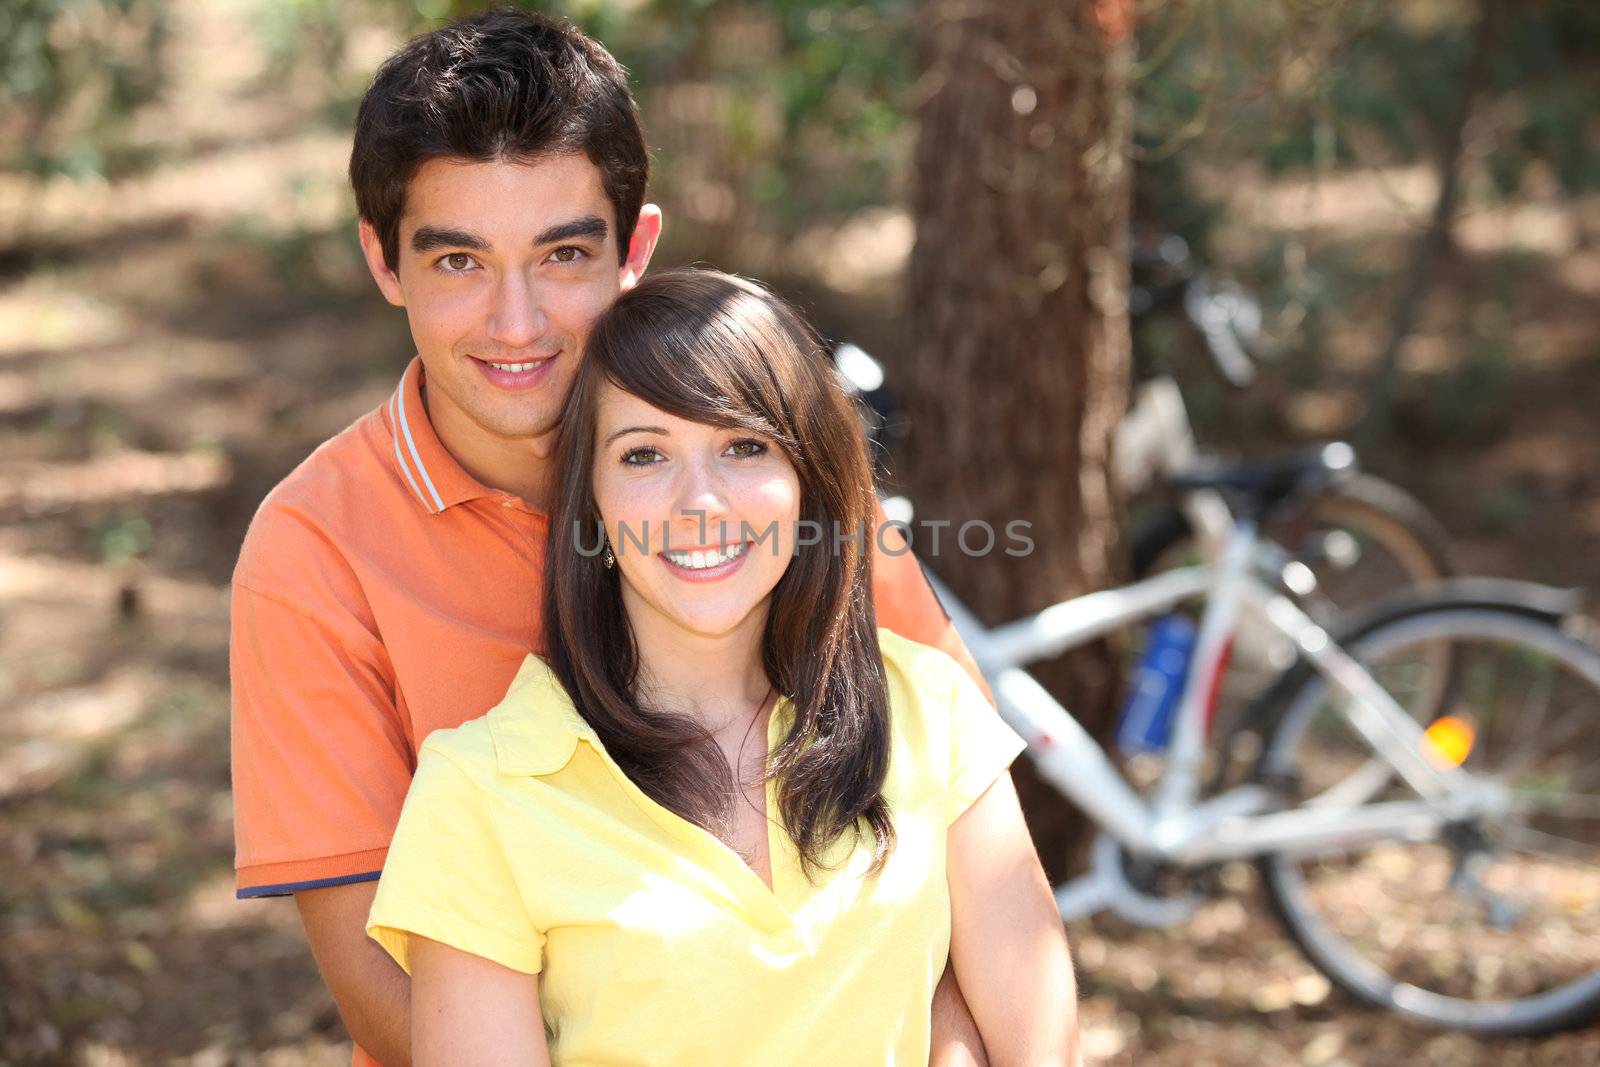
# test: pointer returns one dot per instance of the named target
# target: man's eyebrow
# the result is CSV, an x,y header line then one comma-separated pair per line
x,y
636,429
427,238
591,226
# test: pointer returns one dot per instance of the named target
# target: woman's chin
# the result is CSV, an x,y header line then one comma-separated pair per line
x,y
712,626
700,613
710,622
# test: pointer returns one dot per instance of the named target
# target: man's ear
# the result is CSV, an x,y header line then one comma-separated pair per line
x,y
388,281
641,246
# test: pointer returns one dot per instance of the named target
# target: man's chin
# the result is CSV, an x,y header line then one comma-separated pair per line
x,y
522,429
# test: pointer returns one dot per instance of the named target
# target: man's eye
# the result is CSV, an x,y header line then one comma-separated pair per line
x,y
568,254
748,448
456,262
640,457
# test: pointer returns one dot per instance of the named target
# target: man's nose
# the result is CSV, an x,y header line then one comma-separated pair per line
x,y
517,320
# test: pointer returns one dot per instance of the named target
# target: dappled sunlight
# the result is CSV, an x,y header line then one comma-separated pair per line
x,y
49,736
36,486
44,315
175,337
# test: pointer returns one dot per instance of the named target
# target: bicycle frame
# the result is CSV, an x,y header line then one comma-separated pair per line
x,y
1155,439
1175,826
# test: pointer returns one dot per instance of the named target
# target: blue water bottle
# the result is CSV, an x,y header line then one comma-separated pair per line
x,y
1146,722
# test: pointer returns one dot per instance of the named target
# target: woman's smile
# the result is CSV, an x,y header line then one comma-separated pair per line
x,y
705,565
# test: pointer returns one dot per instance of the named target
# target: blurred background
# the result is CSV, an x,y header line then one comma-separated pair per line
x,y
184,315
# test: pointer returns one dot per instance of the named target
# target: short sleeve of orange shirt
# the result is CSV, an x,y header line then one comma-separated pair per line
x,y
383,593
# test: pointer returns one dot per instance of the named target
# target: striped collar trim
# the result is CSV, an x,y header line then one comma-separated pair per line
x,y
430,472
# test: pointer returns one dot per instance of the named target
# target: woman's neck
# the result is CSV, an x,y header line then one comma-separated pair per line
x,y
719,680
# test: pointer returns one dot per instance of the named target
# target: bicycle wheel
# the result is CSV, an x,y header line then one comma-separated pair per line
x,y
1494,926
1396,541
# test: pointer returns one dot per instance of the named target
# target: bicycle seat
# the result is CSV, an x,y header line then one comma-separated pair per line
x,y
1257,488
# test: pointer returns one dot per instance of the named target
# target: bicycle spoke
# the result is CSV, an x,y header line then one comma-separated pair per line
x,y
1534,727
1538,843
1586,806
1575,727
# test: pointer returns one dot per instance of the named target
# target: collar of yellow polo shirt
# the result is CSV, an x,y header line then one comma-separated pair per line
x,y
522,841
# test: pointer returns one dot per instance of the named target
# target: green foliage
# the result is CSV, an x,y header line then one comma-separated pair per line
x,y
1302,84
1305,91
1504,508
320,267
122,537
1470,404
803,102
72,72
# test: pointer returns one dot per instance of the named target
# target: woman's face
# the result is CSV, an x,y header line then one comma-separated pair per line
x,y
701,519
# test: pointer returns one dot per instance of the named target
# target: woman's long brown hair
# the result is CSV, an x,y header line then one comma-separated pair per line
x,y
723,351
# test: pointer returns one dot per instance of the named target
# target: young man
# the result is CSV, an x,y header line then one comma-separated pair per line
x,y
389,586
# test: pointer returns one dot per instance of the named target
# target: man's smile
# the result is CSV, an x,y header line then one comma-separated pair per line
x,y
522,374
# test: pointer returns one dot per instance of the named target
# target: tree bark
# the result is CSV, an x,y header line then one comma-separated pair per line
x,y
1018,351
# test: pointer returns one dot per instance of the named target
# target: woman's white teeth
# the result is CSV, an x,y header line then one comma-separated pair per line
x,y
701,560
516,368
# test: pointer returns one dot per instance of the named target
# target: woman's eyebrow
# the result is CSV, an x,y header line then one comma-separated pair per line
x,y
636,429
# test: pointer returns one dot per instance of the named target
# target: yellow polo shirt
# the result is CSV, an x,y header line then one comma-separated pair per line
x,y
523,842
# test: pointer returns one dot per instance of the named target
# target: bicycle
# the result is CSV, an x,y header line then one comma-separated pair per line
x,y
1385,808
1358,533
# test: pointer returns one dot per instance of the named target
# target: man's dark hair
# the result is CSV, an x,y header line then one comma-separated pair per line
x,y
501,85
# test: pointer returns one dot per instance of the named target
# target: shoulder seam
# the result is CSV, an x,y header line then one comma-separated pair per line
x,y
306,614
277,598
439,749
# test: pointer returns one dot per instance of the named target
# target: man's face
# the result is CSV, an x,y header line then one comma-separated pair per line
x,y
502,268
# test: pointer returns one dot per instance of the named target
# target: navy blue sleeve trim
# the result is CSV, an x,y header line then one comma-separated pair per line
x,y
923,567
289,888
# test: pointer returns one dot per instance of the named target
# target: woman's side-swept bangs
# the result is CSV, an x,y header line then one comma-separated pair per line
x,y
711,348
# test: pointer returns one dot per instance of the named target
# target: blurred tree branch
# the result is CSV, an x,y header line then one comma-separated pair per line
x,y
1432,244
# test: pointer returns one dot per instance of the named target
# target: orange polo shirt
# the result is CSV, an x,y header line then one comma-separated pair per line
x,y
383,593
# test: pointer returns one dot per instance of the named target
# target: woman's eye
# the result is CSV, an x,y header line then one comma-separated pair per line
x,y
568,254
640,457
748,448
456,262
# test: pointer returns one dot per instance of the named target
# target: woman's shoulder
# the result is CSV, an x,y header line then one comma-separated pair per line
x,y
919,669
925,685
470,747
532,730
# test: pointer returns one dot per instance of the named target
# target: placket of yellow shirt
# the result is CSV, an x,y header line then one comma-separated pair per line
x,y
742,889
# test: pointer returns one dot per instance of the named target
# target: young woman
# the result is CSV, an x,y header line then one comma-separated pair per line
x,y
726,819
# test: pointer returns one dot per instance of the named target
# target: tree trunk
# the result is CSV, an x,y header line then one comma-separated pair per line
x,y
1018,353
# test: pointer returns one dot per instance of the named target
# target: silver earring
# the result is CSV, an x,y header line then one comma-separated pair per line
x,y
610,560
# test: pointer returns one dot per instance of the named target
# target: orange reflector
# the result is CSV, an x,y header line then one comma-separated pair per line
x,y
1450,740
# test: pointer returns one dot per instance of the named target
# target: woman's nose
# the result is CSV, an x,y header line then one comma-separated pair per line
x,y
702,499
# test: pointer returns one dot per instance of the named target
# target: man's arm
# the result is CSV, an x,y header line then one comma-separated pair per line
x,y
956,1041
371,991
320,771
